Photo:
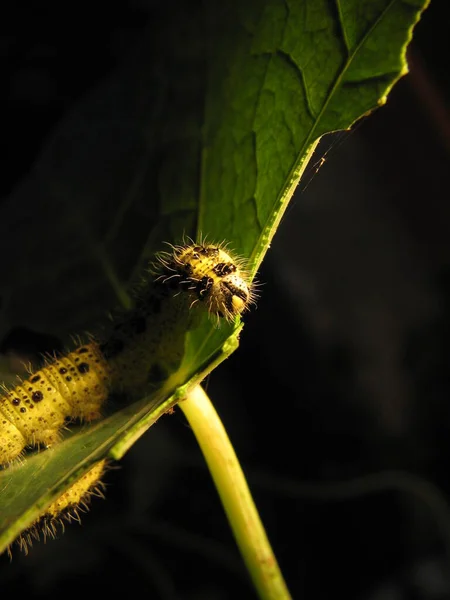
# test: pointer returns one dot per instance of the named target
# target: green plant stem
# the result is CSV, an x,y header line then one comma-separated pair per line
x,y
235,496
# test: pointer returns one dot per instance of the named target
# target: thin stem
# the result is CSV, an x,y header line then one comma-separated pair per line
x,y
235,496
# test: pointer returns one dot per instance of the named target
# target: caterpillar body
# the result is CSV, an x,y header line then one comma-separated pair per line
x,y
66,508
137,352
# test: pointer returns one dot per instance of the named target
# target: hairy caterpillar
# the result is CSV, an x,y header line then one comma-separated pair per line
x,y
140,348
209,275
66,508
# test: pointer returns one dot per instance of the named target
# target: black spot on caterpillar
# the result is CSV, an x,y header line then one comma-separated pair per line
x,y
65,509
140,349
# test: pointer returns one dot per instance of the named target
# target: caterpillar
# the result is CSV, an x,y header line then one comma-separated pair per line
x,y
66,508
137,352
210,275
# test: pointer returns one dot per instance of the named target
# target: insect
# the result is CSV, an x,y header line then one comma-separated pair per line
x,y
209,275
136,352
66,508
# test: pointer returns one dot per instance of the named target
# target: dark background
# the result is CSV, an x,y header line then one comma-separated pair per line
x,y
338,399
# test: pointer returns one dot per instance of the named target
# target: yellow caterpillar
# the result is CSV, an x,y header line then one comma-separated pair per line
x,y
139,350
77,497
209,275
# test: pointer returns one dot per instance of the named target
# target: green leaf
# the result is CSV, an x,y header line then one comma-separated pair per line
x,y
295,71
206,128
28,488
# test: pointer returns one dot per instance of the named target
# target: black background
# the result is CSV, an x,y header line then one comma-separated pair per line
x,y
338,399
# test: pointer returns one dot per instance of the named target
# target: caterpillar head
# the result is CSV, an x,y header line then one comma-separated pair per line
x,y
209,275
